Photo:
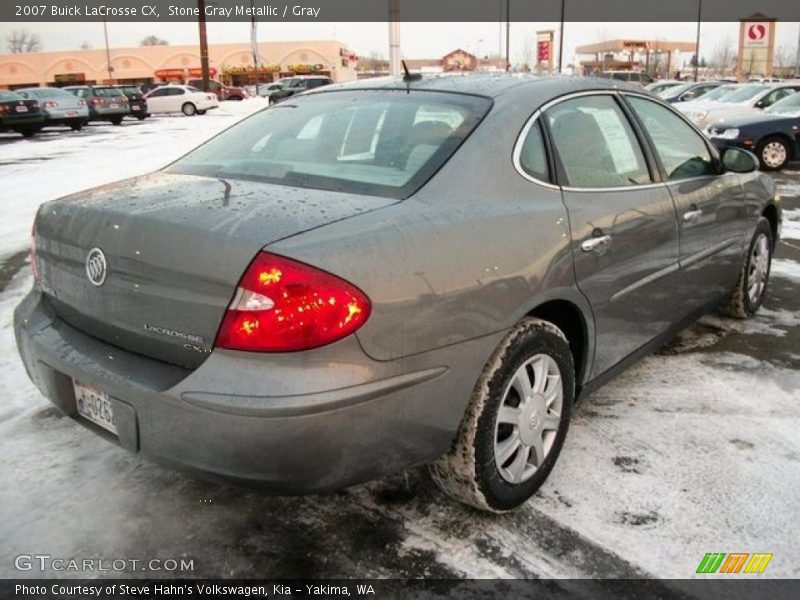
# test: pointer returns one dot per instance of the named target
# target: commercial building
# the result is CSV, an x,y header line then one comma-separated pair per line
x,y
231,63
657,57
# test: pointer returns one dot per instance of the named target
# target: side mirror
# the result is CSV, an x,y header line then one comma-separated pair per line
x,y
688,95
760,104
739,160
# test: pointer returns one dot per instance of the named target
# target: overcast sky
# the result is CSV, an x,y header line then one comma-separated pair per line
x,y
418,40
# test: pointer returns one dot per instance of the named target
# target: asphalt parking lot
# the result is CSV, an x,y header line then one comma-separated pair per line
x,y
693,450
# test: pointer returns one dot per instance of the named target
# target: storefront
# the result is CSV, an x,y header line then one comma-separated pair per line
x,y
233,64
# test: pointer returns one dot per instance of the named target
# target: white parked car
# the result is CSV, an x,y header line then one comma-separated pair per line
x,y
748,99
180,98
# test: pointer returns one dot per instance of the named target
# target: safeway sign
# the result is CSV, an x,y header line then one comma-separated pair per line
x,y
757,34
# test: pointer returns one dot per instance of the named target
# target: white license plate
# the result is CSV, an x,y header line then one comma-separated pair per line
x,y
72,113
113,105
22,109
134,107
94,405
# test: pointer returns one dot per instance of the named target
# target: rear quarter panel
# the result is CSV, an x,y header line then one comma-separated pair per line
x,y
468,255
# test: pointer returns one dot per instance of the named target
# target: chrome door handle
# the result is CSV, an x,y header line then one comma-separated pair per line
x,y
692,215
594,243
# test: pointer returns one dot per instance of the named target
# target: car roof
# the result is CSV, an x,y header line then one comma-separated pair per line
x,y
493,85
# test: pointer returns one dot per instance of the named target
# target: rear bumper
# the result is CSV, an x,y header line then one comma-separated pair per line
x,y
14,121
292,423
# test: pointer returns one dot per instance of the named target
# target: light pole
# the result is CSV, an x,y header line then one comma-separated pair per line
x,y
108,53
561,37
508,35
394,38
254,44
697,43
201,21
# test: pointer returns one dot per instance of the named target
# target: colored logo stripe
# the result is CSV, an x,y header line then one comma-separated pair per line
x,y
711,562
758,563
735,561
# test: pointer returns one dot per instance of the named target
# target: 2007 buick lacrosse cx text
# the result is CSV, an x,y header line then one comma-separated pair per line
x,y
378,275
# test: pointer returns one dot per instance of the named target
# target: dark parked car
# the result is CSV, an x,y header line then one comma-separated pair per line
x,y
137,103
774,134
221,91
58,107
295,85
105,103
688,91
19,115
391,273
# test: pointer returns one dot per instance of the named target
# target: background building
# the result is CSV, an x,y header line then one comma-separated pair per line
x,y
231,63
659,58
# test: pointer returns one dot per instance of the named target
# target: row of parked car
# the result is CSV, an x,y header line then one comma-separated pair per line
x,y
763,117
27,111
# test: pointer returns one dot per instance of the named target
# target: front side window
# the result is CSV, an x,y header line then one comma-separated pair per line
x,y
776,95
383,142
595,144
682,151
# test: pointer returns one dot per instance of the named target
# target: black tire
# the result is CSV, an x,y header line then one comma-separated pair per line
x,y
741,304
202,112
469,471
116,120
77,126
773,153
28,131
189,109
236,98
141,117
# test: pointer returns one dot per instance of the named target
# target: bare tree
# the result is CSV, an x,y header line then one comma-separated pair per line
x,y
723,57
527,50
153,40
782,60
19,41
85,46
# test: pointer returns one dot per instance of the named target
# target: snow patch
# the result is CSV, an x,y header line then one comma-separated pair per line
x,y
785,269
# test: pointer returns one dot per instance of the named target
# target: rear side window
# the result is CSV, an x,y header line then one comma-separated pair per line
x,y
385,142
532,156
595,144
682,151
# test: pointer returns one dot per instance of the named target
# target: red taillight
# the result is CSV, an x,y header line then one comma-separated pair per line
x,y
34,265
96,101
284,306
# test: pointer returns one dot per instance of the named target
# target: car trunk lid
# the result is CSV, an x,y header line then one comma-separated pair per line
x,y
174,248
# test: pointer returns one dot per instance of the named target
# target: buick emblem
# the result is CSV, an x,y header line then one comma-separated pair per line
x,y
96,267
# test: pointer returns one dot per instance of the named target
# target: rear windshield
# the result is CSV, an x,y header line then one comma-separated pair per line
x,y
381,142
107,92
746,93
9,97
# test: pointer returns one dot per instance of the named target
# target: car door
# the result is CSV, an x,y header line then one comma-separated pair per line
x,y
157,101
710,205
622,221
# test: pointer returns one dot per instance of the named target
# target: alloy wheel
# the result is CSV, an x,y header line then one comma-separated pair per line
x,y
758,269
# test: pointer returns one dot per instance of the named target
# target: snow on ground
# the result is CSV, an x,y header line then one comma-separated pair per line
x,y
692,450
58,162
790,228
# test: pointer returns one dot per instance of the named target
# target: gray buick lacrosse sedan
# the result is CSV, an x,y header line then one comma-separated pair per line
x,y
391,273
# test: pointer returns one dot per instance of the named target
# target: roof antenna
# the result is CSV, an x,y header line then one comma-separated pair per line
x,y
409,76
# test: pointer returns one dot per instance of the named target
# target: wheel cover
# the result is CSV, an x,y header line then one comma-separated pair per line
x,y
758,268
528,419
774,154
